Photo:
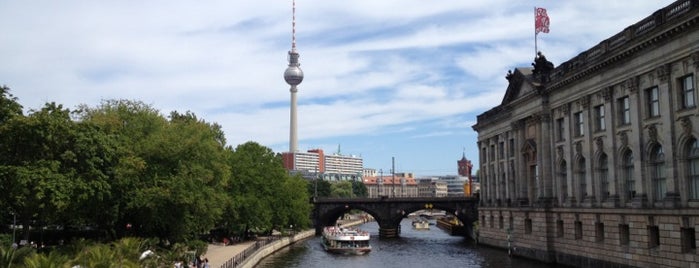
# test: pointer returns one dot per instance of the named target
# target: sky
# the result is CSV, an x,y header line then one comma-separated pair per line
x,y
389,79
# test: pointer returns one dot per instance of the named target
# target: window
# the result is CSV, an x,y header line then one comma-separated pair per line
x,y
688,240
579,124
512,147
657,165
653,236
599,231
501,150
527,226
492,221
687,86
559,228
563,178
582,192
653,102
560,129
693,168
599,118
492,152
603,171
624,234
627,166
578,230
502,222
624,111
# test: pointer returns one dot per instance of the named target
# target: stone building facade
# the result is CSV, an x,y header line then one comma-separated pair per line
x,y
596,162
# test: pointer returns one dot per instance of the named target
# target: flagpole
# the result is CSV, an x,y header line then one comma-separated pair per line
x,y
535,34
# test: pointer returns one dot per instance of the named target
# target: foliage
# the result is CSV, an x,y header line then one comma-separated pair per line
x,y
264,195
359,189
321,187
341,189
9,107
125,170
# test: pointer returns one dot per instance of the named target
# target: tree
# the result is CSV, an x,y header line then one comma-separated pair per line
x,y
341,189
170,175
319,186
50,165
359,189
9,107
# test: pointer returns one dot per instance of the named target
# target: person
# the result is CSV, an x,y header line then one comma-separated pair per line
x,y
206,263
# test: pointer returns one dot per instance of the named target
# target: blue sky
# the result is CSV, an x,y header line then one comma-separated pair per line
x,y
389,78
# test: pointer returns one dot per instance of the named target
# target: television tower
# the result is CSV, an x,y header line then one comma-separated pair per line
x,y
293,76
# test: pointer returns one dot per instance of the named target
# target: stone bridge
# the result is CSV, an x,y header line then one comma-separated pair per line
x,y
388,212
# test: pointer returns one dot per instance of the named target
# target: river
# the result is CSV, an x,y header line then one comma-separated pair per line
x,y
414,248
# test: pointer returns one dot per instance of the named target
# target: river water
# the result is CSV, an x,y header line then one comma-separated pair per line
x,y
414,248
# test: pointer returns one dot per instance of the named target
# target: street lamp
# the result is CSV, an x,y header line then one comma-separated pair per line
x,y
14,227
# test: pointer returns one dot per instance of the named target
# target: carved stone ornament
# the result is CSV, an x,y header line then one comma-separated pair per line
x,y
607,93
559,152
686,125
632,84
517,125
599,142
578,147
565,109
623,139
652,133
663,72
695,59
584,102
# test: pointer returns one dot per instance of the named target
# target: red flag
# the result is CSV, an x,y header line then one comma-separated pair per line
x,y
541,21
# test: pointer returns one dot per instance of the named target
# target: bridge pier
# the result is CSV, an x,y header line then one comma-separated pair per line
x,y
389,232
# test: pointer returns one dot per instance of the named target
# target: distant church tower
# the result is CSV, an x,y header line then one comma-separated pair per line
x,y
293,76
465,168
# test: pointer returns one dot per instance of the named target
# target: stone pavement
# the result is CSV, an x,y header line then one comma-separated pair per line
x,y
218,254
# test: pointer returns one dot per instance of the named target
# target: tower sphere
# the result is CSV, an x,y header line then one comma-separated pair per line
x,y
293,75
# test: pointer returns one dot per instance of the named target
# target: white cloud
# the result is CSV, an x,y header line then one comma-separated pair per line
x,y
407,68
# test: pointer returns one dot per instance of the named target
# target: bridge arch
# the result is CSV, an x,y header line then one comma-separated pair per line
x,y
389,212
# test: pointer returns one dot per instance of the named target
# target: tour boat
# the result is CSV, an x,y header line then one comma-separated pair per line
x,y
421,224
343,240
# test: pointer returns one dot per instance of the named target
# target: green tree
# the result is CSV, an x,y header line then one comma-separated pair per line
x,y
341,189
9,107
49,167
320,186
359,189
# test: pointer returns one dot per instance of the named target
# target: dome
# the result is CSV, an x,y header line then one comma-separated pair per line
x,y
293,75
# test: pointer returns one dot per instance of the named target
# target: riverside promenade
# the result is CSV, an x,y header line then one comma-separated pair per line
x,y
220,255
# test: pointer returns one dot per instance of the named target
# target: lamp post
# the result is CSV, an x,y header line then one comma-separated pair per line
x,y
14,227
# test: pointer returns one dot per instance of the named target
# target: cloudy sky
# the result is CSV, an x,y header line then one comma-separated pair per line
x,y
387,78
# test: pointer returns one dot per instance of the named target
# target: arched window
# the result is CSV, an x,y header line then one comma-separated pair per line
x,y
582,181
627,173
563,179
603,173
693,168
657,166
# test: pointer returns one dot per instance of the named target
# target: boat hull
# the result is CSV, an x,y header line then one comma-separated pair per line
x,y
345,241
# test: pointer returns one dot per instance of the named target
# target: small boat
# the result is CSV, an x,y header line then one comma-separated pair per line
x,y
347,241
421,224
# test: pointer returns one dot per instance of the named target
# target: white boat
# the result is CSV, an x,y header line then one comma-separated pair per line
x,y
343,240
421,224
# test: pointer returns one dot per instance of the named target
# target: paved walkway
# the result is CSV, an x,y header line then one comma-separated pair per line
x,y
218,254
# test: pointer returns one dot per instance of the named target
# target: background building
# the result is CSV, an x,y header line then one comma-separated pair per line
x,y
316,164
596,162
431,188
391,186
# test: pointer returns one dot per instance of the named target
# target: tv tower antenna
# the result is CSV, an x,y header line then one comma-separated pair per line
x,y
293,76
